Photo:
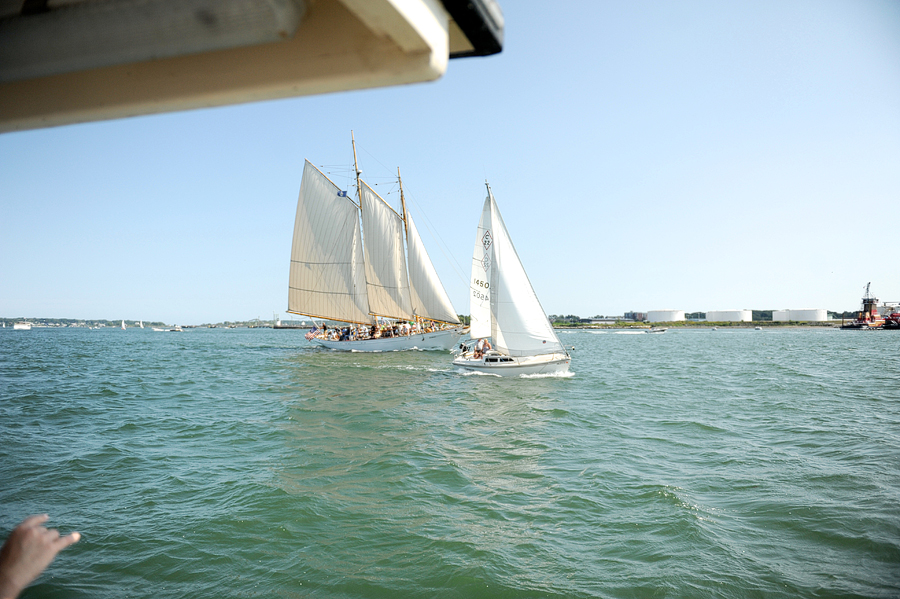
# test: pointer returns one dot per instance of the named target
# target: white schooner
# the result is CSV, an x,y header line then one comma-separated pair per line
x,y
349,265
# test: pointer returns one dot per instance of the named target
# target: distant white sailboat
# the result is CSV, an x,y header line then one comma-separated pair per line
x,y
505,309
141,324
123,325
339,275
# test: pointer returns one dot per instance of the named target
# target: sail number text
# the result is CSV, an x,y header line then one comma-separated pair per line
x,y
477,293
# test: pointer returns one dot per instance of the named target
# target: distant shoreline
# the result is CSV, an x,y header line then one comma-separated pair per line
x,y
701,325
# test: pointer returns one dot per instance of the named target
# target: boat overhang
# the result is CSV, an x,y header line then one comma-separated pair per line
x,y
72,61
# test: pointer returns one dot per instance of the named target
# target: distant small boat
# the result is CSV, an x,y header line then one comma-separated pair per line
x,y
141,324
655,330
22,326
123,325
758,328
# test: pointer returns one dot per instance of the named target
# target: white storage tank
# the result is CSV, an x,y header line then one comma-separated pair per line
x,y
729,316
816,315
781,315
665,315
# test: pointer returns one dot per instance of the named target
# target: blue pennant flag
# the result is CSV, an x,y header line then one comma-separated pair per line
x,y
342,194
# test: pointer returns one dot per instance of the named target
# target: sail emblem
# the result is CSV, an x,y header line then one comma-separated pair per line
x,y
486,240
486,262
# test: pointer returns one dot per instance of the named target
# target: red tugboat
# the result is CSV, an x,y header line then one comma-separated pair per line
x,y
892,320
868,317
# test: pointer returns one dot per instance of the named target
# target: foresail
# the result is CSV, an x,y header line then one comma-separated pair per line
x,y
386,278
479,284
429,299
520,326
327,278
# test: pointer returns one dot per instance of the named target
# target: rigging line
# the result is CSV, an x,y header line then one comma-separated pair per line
x,y
454,264
387,178
442,245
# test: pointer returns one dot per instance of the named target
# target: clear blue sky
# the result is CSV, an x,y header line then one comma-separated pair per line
x,y
646,155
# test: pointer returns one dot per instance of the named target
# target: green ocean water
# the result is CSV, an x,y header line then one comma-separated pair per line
x,y
246,463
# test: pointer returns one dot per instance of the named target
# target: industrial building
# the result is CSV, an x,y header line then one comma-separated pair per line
x,y
729,316
816,315
665,315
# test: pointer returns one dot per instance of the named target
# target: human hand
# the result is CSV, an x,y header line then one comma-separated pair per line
x,y
29,549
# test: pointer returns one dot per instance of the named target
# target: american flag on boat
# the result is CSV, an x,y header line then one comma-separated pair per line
x,y
312,333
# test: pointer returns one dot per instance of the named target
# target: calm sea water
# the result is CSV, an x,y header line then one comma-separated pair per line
x,y
245,463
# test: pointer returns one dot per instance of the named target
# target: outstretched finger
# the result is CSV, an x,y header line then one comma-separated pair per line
x,y
32,521
70,539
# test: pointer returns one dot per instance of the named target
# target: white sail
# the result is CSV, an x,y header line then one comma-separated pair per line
x,y
480,284
429,299
386,278
519,324
327,277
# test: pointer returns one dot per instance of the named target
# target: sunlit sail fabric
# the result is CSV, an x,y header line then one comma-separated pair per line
x,y
480,283
427,294
327,276
386,277
519,325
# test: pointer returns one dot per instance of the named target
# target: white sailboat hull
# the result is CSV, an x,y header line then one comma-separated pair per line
x,y
502,365
436,340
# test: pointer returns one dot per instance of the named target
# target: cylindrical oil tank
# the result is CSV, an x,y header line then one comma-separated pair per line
x,y
729,316
815,315
665,315
781,315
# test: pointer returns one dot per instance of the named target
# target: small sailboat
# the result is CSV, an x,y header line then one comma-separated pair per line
x,y
141,324
505,308
123,325
387,299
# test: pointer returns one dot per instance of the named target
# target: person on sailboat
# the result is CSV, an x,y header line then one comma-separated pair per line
x,y
482,346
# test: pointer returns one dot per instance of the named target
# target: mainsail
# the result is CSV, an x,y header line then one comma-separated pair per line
x,y
327,278
480,285
386,279
503,302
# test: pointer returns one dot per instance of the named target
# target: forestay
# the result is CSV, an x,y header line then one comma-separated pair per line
x,y
327,277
